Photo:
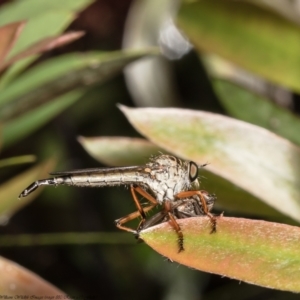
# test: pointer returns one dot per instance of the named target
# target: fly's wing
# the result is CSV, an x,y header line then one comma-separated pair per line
x,y
99,177
98,170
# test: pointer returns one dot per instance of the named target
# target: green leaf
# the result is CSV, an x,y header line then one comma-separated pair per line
x,y
44,19
38,28
257,252
229,197
255,39
20,282
248,156
10,190
28,9
24,159
258,110
119,151
62,74
19,128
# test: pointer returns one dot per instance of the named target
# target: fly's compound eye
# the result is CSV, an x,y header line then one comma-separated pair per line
x,y
193,171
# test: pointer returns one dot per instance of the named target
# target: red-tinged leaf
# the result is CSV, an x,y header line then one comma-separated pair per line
x,y
119,151
46,44
8,37
257,252
22,283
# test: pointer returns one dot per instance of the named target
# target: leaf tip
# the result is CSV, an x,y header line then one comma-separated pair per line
x,y
122,108
80,139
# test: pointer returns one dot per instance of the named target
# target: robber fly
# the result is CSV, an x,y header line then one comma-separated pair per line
x,y
165,180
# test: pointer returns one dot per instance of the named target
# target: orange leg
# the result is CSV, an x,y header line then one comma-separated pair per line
x,y
175,225
119,223
140,212
188,194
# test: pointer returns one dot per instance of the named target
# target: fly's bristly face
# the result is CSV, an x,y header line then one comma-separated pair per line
x,y
168,175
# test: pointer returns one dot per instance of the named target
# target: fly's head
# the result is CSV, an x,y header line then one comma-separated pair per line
x,y
169,175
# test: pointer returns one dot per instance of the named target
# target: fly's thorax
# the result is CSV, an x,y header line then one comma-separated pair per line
x,y
168,176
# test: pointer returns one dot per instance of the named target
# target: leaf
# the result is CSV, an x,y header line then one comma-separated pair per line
x,y
248,156
24,159
9,191
287,9
38,29
45,45
44,19
229,198
49,24
121,151
255,109
257,252
19,128
8,36
28,9
20,282
253,38
118,151
62,74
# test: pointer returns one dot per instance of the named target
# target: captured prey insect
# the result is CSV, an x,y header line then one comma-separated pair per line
x,y
183,208
165,180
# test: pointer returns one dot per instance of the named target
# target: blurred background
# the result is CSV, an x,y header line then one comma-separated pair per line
x,y
190,73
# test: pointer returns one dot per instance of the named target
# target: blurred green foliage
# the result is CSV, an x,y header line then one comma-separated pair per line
x,y
49,96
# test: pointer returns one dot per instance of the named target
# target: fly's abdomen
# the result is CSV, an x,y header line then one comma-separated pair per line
x,y
36,184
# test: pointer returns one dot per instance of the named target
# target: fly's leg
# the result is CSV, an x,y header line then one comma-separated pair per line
x,y
137,189
141,212
187,194
161,216
119,223
175,225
